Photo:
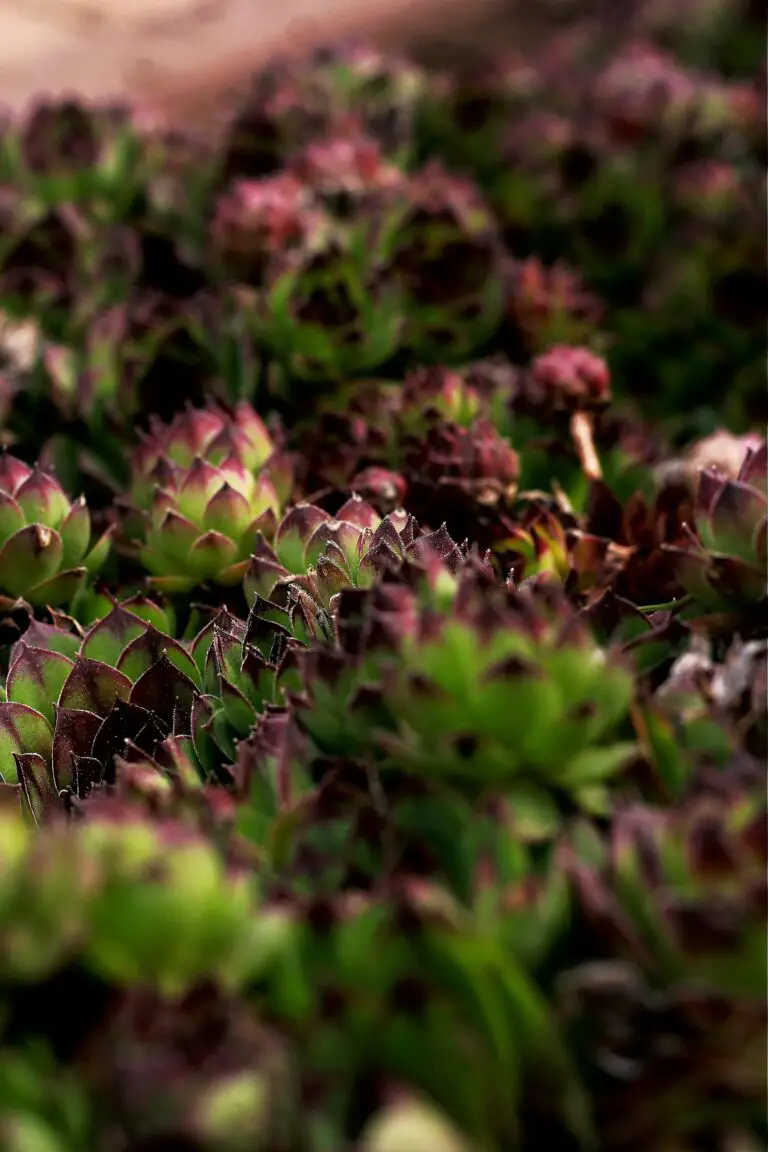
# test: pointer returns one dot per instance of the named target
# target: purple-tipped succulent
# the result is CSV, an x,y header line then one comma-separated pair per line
x,y
331,312
725,565
76,699
46,550
348,174
447,253
204,487
551,306
682,892
81,704
435,679
317,555
255,219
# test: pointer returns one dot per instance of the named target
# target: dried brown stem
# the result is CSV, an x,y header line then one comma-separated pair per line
x,y
582,433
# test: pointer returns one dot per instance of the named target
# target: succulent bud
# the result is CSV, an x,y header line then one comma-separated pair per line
x,y
412,1126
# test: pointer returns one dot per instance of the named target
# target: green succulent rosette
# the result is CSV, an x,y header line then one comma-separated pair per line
x,y
202,488
46,547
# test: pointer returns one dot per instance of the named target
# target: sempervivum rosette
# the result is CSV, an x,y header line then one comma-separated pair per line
x,y
315,555
551,305
202,488
331,311
448,255
46,549
725,565
467,681
675,903
76,699
254,219
79,702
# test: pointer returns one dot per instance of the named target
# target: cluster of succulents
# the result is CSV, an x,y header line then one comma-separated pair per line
x,y
384,608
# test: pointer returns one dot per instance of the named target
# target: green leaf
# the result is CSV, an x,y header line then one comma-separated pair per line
x,y
597,764
535,815
663,749
22,729
94,687
36,679
29,557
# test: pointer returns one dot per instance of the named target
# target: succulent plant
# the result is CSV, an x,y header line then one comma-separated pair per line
x,y
467,665
330,312
245,666
381,92
683,890
724,566
679,896
348,175
317,555
448,257
117,858
255,219
442,732
46,550
204,488
73,701
552,306
241,1095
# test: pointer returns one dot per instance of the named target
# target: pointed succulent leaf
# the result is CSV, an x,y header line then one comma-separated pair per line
x,y
240,713
357,511
263,502
208,751
199,486
233,471
11,517
216,663
37,788
266,624
126,723
87,773
754,469
75,532
36,678
737,511
13,473
73,736
211,555
386,543
438,544
223,621
263,573
94,687
167,585
111,635
279,470
42,500
145,651
293,534
595,765
164,690
97,557
151,613
342,533
227,513
169,543
51,638
28,558
60,589
331,579
22,729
